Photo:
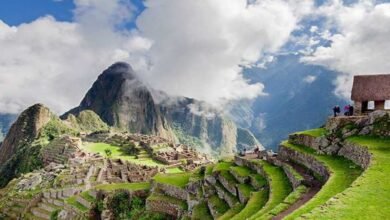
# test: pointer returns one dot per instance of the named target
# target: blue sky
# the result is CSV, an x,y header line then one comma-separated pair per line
x,y
15,12
202,46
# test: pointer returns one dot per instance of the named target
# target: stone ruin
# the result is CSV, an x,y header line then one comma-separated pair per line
x,y
60,150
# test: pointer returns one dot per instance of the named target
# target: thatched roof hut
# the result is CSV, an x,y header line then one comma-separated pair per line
x,y
374,89
371,88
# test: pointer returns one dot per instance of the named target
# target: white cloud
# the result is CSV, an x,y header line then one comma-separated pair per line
x,y
309,79
199,47
56,62
361,44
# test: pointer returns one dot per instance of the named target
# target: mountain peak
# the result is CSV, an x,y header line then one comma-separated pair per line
x,y
122,69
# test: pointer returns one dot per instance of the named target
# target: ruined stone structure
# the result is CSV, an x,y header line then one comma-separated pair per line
x,y
368,88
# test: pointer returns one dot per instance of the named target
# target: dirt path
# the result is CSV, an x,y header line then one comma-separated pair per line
x,y
315,186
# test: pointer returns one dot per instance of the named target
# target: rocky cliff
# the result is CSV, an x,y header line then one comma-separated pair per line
x,y
123,101
24,130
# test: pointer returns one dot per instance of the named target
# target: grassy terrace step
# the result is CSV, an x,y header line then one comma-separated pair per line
x,y
287,202
201,212
255,203
156,196
127,186
279,187
343,173
318,132
258,181
369,196
241,171
175,179
73,202
232,212
218,205
223,166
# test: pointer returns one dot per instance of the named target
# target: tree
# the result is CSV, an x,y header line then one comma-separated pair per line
x,y
108,152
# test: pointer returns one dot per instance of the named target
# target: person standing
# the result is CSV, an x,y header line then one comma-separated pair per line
x,y
336,110
351,110
346,110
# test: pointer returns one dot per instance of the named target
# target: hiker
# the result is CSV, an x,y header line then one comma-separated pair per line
x,y
256,150
336,111
351,110
346,110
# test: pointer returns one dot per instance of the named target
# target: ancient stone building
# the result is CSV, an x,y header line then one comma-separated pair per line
x,y
371,92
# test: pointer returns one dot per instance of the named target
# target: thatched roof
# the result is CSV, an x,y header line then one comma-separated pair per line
x,y
371,88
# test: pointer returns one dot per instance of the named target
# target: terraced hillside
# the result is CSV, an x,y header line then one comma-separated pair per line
x,y
334,172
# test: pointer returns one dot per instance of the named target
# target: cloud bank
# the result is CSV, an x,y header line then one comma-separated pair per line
x,y
360,44
56,62
200,47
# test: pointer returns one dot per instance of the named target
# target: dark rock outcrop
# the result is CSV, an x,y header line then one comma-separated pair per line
x,y
24,130
123,101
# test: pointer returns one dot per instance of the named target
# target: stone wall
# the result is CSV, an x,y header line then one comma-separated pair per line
x,y
306,160
295,180
170,190
358,154
164,207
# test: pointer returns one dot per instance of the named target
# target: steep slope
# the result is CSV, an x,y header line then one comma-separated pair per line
x,y
293,102
123,101
24,130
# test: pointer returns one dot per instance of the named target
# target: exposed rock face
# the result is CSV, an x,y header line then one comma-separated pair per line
x,y
24,130
123,101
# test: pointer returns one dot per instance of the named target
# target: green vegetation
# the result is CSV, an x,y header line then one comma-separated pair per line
x,y
245,189
369,196
318,132
174,170
164,198
55,128
223,165
116,152
279,187
209,169
185,138
174,179
87,121
258,180
73,202
232,212
228,177
127,186
241,171
201,212
343,173
255,203
219,205
287,202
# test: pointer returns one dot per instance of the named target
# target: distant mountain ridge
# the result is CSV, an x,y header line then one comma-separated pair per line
x,y
123,101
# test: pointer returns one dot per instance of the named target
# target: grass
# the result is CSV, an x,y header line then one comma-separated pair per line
x,y
259,180
127,186
209,169
241,171
279,187
118,154
175,179
228,177
219,205
245,189
201,212
318,132
174,170
369,196
85,195
343,173
255,203
164,198
73,202
287,202
223,166
232,212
